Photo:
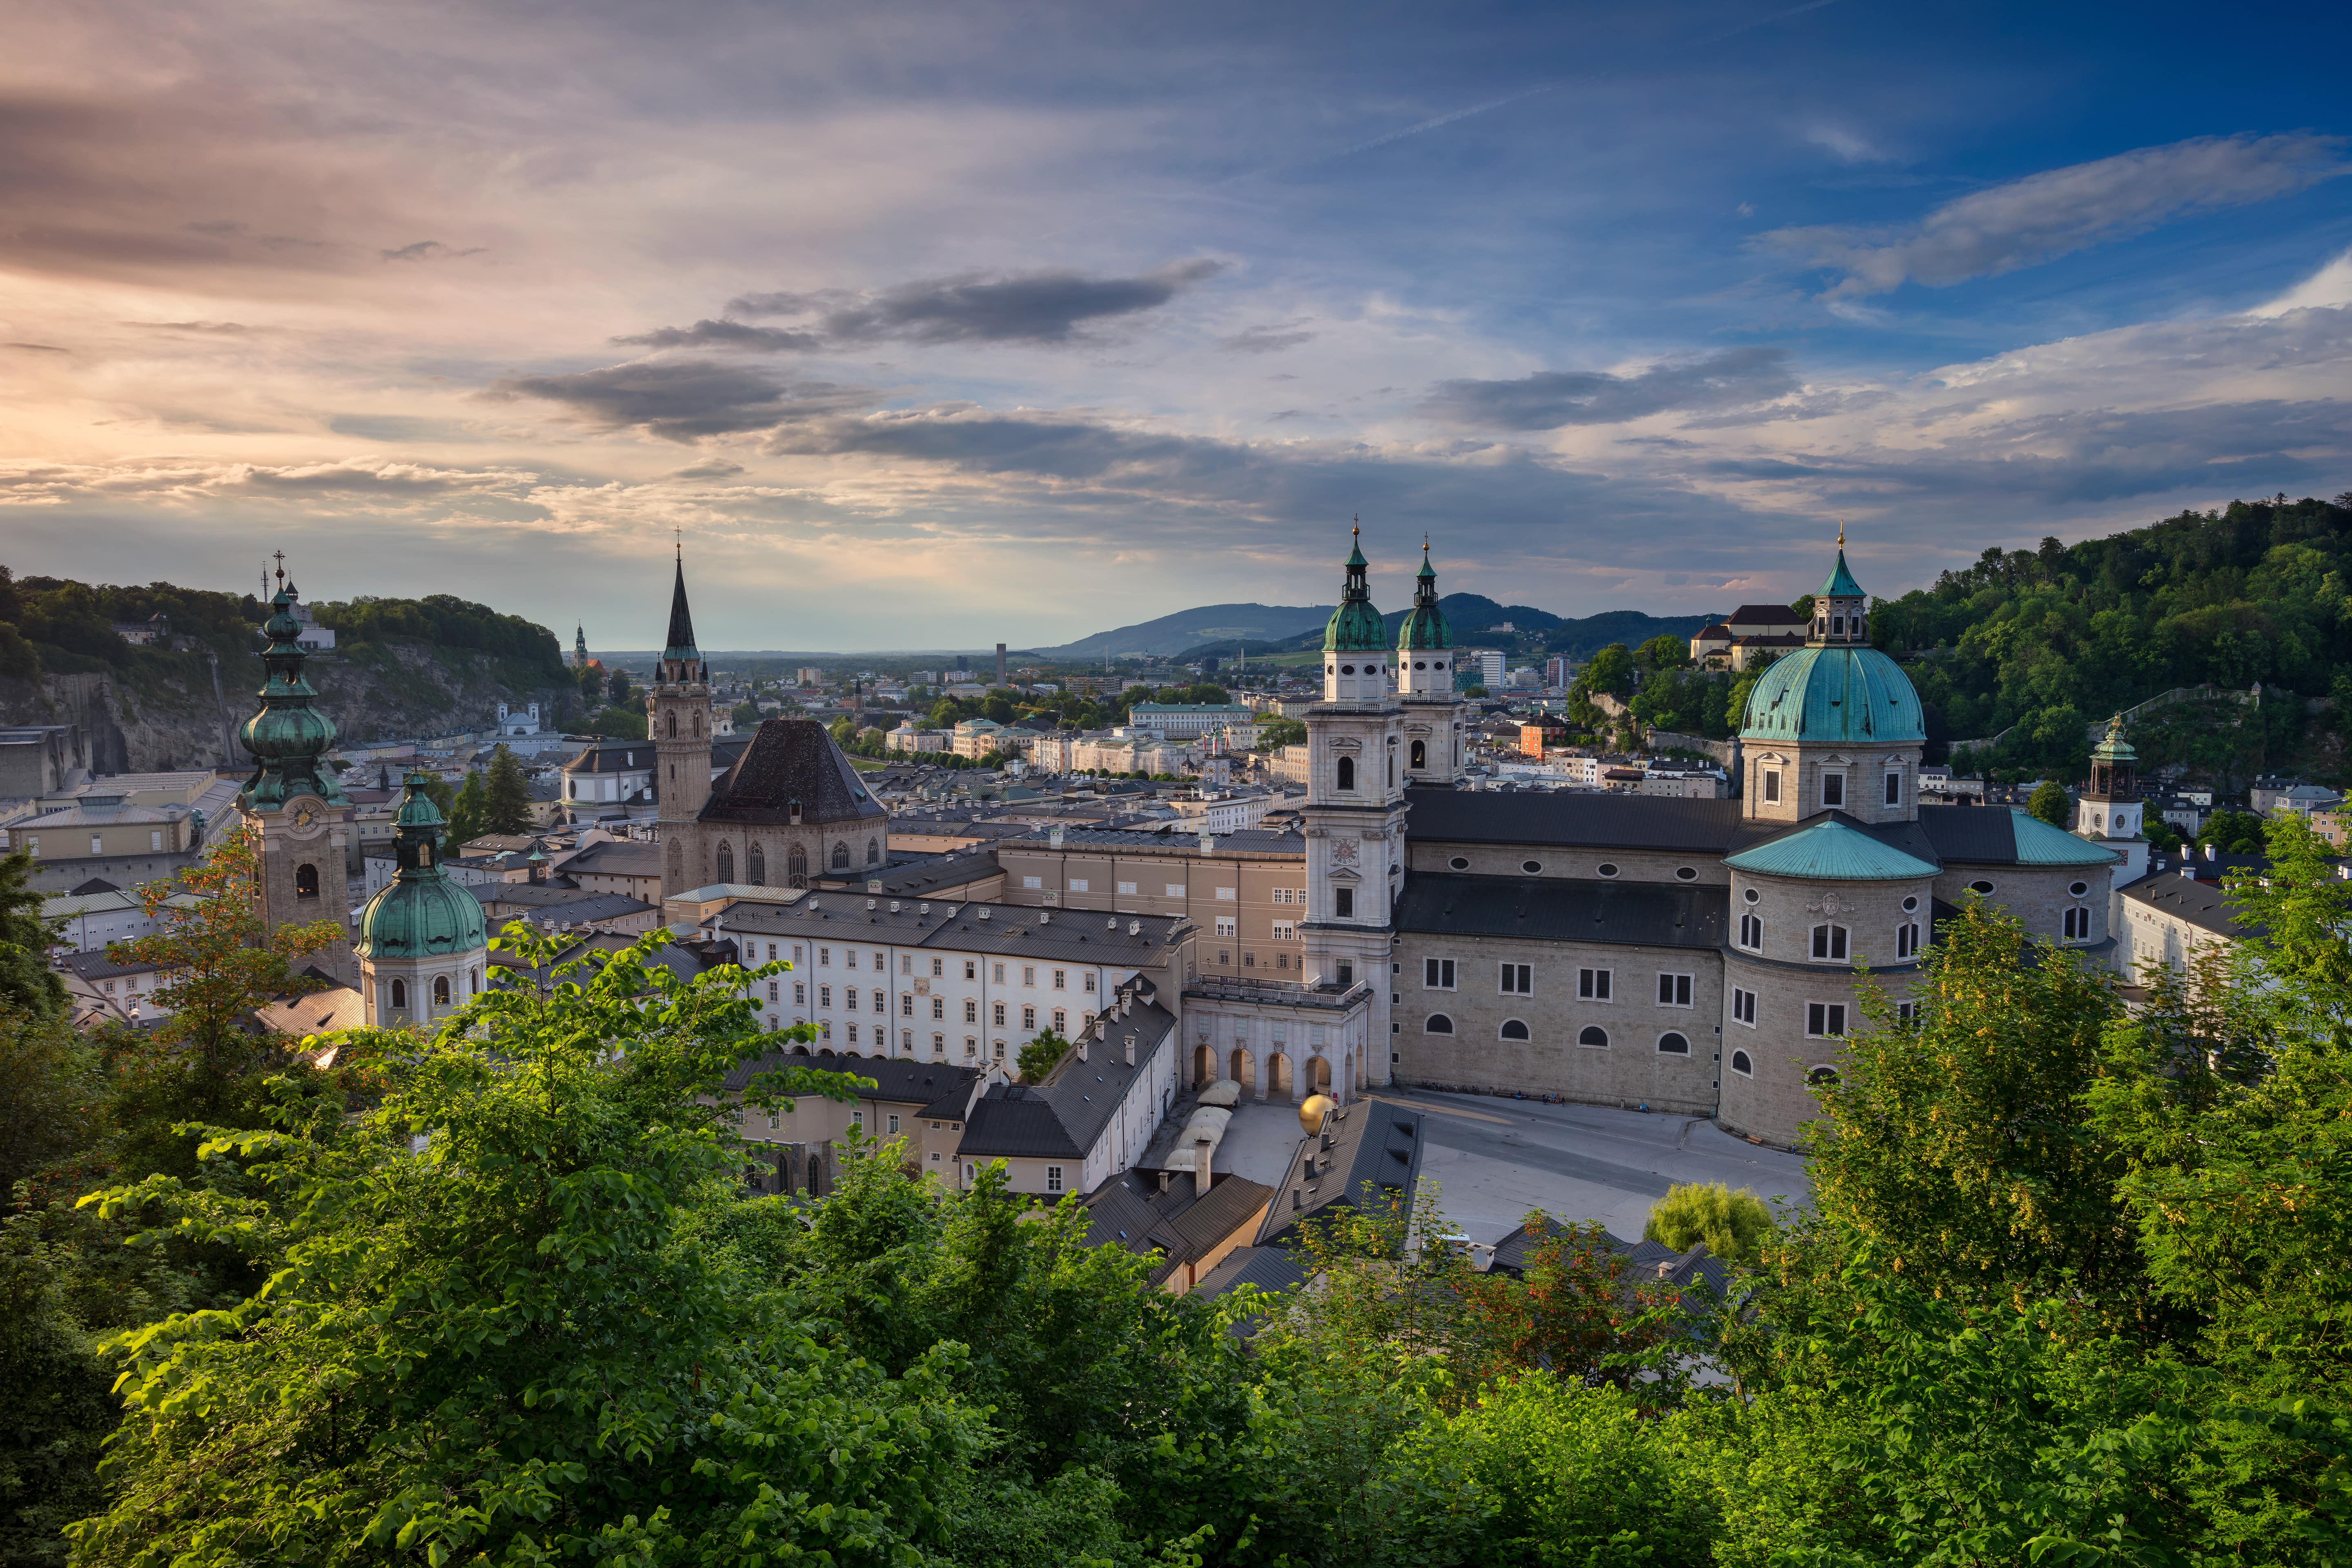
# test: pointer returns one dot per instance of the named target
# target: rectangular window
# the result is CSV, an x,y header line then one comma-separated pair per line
x,y
1228,894
996,973
824,995
1126,888
1282,895
939,1048
1518,980
1347,973
850,958
1175,889
1906,940
906,964
853,1033
970,1011
971,969
155,839
824,957
1029,1019
1829,943
1743,1007
1674,990
775,987
1088,981
1907,1011
1437,974
1224,955
970,1046
998,1015
1825,1020
1771,787
1225,925
1343,902
1032,883
772,952
1895,789
1053,1178
796,953
775,1121
1060,1022
800,993
1078,884
1028,974
939,969
905,1004
1833,790
938,1006
1592,985
1284,931
849,997
1061,980
894,1122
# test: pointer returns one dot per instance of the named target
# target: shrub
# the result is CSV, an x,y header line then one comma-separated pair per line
x,y
1733,1224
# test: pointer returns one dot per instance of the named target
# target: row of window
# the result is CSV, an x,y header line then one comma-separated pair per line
x,y
154,845
1824,1021
441,992
880,1038
1833,788
1607,868
879,961
755,862
1172,889
1673,1043
1675,990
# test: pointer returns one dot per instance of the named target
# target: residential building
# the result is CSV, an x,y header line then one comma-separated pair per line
x,y
1192,721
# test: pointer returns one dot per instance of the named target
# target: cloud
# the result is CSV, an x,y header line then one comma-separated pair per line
x,y
1267,340
428,250
2044,217
1549,399
714,469
681,401
165,479
227,230
1845,143
36,348
2329,288
1045,308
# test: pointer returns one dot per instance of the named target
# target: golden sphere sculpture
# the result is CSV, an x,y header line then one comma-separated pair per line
x,y
1311,1113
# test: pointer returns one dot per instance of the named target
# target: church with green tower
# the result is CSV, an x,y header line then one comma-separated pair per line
x,y
298,816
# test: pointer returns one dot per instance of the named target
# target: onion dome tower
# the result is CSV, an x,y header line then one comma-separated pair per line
x,y
293,807
2110,812
422,941
1355,640
1425,668
1835,726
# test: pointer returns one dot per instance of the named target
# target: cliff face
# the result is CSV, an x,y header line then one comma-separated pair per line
x,y
182,711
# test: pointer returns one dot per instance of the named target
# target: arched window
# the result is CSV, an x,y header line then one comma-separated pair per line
x,y
1347,773
1829,943
1822,1076
796,867
755,866
697,725
1593,1034
440,991
1420,754
400,996
1906,940
841,856
1751,933
1674,1045
673,723
2078,924
1512,1030
1740,1064
306,881
1439,1024
1392,770
474,982
726,861
873,852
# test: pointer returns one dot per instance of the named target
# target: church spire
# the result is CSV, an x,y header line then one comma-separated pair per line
x,y
680,648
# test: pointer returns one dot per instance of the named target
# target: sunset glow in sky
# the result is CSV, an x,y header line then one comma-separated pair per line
x,y
944,325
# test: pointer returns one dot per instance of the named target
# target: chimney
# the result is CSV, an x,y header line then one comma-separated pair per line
x,y
1082,1047
1053,836
1199,1167
1130,1050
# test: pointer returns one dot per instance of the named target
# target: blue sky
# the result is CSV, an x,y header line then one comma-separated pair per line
x,y
947,325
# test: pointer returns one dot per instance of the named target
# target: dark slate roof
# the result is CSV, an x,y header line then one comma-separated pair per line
x,y
616,857
901,1080
1648,1262
1268,1267
97,966
1556,908
917,876
95,885
1132,1211
569,905
1011,931
1375,1146
1065,1114
2202,904
1593,821
612,757
1973,835
790,760
1764,614
1180,840
681,620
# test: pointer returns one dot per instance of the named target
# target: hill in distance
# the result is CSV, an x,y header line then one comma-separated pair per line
x,y
1475,618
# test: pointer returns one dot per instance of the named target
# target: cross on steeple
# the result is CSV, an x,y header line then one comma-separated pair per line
x,y
279,557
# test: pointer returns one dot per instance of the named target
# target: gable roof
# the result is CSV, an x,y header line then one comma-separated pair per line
x,y
899,1079
1066,1115
1375,1148
1559,909
1593,821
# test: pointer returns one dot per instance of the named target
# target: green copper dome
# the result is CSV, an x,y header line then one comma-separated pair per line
x,y
1355,626
290,735
1853,696
1424,628
421,914
1841,583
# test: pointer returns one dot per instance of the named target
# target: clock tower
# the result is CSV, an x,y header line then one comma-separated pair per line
x,y
298,815
680,711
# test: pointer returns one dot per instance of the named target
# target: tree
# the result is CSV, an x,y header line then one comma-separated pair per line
x,y
28,986
591,687
617,687
1610,671
52,1095
2051,803
1475,692
2234,833
489,1334
619,725
1734,1225
1665,651
1038,1057
1275,733
471,817
506,803
745,714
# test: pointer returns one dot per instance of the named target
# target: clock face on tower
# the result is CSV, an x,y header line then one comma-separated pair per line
x,y
303,815
1343,851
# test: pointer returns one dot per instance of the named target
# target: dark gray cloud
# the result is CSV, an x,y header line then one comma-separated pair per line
x,y
2023,223
36,348
1549,399
401,427
428,250
1047,308
682,401
222,229
1267,340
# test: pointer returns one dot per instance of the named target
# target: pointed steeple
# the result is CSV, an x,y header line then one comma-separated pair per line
x,y
1841,583
681,619
1424,628
1355,626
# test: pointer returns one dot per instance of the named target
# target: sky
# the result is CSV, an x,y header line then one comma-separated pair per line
x,y
927,326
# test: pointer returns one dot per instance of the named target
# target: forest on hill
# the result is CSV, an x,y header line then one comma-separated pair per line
x,y
2037,646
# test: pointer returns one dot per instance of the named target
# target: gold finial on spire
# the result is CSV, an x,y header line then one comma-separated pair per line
x,y
1841,534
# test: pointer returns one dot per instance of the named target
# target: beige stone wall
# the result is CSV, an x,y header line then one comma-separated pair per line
x,y
1801,768
1266,889
1630,1069
1771,1100
2037,895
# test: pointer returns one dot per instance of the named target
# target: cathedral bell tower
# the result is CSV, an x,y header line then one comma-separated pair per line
x,y
1355,810
293,803
2110,811
1425,676
680,712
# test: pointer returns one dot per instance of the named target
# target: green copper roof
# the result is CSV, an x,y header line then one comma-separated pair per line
x,y
1424,628
1831,850
1856,696
288,736
1840,584
1355,626
2113,747
2039,844
421,914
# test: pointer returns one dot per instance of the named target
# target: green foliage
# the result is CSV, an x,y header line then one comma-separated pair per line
x,y
1733,1224
2051,803
51,1095
28,986
2234,833
1611,670
1273,735
617,687
506,795
445,620
1665,651
1475,692
470,817
745,714
1038,1057
619,725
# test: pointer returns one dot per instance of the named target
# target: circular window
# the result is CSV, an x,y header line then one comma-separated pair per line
x,y
1910,904
1750,895
1531,866
1421,664
2078,888
1740,1064
1594,1036
1460,863
1674,1045
1686,873
1514,1030
1439,665
1347,669
1607,867
1979,885
1822,1076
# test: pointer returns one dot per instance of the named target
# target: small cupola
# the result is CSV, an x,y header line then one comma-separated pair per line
x,y
1841,610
